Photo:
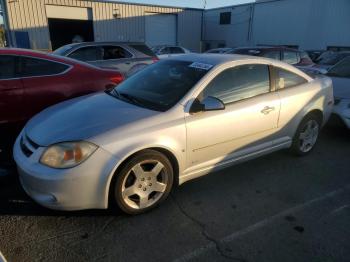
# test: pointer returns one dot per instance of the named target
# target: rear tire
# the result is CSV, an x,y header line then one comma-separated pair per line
x,y
143,183
306,135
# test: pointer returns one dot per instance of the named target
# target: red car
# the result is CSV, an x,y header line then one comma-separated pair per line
x,y
31,81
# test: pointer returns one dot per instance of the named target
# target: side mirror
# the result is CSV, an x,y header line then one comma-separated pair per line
x,y
209,103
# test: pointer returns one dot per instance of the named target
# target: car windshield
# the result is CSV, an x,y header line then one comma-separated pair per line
x,y
156,49
161,85
332,59
62,50
342,69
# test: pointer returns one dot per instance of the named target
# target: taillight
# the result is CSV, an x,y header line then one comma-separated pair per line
x,y
118,78
155,59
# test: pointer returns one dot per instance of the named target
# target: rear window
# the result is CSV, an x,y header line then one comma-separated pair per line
x,y
286,79
254,52
272,54
63,50
40,67
332,59
290,57
7,67
143,49
342,69
176,50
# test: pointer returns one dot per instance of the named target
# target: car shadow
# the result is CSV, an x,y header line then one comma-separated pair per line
x,y
14,201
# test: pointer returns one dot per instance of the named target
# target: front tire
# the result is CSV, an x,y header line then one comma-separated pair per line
x,y
306,135
144,182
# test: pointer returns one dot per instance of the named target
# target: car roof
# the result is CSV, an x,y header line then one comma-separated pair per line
x,y
213,59
219,59
266,48
43,55
158,46
104,43
221,48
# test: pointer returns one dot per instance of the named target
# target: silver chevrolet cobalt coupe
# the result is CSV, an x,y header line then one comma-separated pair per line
x,y
174,121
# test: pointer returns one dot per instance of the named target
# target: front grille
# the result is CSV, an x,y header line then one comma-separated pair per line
x,y
28,146
32,143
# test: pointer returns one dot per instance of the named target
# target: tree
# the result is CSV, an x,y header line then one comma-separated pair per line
x,y
2,36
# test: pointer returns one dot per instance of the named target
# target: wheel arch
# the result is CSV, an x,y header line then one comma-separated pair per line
x,y
170,155
317,113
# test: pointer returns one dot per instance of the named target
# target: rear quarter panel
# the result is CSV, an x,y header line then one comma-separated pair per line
x,y
297,102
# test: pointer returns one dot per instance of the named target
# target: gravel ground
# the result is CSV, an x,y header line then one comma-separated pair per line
x,y
276,208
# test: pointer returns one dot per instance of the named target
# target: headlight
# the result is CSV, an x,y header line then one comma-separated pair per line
x,y
67,154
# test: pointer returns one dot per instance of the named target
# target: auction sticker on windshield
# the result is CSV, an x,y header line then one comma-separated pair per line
x,y
201,66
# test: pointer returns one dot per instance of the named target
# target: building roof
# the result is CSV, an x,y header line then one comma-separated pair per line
x,y
145,4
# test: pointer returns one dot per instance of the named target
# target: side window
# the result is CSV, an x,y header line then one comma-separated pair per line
x,y
39,67
239,83
225,18
290,57
164,51
7,67
342,69
115,52
286,79
176,50
89,53
273,55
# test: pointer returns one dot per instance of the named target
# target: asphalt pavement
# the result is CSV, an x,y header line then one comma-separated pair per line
x,y
275,208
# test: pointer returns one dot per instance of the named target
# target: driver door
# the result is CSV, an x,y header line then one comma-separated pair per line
x,y
247,123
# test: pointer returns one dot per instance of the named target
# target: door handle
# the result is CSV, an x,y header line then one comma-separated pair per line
x,y
267,109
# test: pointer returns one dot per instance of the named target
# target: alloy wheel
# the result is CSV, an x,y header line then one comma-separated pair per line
x,y
144,184
309,135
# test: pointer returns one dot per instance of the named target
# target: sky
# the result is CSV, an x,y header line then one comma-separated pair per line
x,y
191,3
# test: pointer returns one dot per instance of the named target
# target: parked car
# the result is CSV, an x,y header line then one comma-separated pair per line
x,y
127,58
31,81
287,55
164,51
174,121
221,50
330,59
314,54
2,258
340,74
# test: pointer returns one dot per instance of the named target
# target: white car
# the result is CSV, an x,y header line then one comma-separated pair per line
x,y
169,51
2,258
176,120
340,74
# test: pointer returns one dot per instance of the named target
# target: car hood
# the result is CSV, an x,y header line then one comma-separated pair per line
x,y
82,118
341,87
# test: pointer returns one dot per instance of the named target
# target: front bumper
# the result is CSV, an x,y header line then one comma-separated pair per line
x,y
85,186
342,110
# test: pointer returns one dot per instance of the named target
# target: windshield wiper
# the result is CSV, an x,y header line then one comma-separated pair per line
x,y
130,98
113,92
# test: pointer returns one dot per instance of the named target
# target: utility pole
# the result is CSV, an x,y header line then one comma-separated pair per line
x,y
202,26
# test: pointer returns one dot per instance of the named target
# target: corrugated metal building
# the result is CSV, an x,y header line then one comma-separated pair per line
x,y
47,24
307,24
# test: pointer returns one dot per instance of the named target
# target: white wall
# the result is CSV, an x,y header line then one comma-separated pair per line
x,y
234,34
310,24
